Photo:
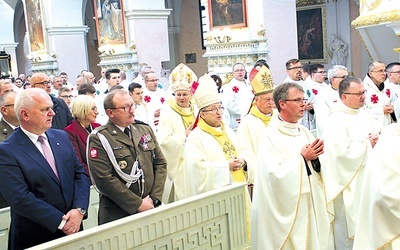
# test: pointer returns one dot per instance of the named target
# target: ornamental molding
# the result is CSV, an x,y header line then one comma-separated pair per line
x,y
124,61
386,17
221,56
147,14
49,67
303,3
74,30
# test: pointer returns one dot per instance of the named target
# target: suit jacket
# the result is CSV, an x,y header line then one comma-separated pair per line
x,y
78,136
38,199
116,199
6,131
62,116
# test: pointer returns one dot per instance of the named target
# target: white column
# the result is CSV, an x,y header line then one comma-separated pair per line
x,y
67,44
147,28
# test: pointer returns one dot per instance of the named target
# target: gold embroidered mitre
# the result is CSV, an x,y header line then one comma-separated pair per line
x,y
205,92
181,78
262,82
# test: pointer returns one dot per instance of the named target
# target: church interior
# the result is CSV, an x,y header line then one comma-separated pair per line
x,y
207,35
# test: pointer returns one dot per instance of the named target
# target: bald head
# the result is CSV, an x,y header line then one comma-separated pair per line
x,y
42,81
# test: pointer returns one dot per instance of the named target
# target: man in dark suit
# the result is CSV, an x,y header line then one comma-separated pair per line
x,y
132,143
8,123
62,116
41,176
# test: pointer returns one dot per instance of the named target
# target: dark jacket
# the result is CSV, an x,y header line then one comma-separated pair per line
x,y
38,199
62,116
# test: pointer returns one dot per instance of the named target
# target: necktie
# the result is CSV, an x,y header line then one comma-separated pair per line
x,y
48,154
127,131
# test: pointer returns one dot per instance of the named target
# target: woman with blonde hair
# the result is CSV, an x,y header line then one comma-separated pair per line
x,y
84,110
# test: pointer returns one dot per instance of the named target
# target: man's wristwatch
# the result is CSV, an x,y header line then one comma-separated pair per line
x,y
82,211
156,202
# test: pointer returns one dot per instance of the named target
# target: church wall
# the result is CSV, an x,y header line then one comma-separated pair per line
x,y
281,32
190,37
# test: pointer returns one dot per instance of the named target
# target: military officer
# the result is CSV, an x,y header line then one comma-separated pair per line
x,y
125,161
9,122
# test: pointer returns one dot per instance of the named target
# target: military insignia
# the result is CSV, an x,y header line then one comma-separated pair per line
x,y
94,153
145,139
122,164
114,132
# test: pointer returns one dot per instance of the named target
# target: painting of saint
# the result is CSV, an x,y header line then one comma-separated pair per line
x,y
109,20
310,34
231,13
35,25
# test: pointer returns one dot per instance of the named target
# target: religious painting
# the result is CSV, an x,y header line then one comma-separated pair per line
x,y
34,22
190,58
227,13
311,34
109,15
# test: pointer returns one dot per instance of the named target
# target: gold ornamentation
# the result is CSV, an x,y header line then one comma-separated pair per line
x,y
122,164
392,16
228,78
302,3
369,5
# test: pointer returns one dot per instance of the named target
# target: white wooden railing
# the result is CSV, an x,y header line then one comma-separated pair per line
x,y
213,220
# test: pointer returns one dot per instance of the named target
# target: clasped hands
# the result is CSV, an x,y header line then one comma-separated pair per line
x,y
74,220
236,164
313,150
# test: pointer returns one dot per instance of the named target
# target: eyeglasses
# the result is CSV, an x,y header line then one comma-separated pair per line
x,y
339,77
320,72
214,110
379,71
239,70
66,96
153,80
357,94
297,67
8,105
44,83
298,100
126,108
397,72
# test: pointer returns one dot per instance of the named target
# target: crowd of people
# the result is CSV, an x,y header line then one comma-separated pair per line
x,y
317,150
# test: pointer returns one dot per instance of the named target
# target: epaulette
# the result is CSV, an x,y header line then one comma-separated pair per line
x,y
98,129
140,122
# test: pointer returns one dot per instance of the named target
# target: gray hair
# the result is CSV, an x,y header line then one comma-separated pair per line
x,y
332,72
26,99
5,98
371,65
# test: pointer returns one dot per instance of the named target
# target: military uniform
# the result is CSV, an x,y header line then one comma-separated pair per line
x,y
6,130
116,199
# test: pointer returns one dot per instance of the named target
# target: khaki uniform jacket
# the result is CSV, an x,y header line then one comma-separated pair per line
x,y
116,199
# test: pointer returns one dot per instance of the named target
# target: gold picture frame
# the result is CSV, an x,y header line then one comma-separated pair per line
x,y
35,28
227,14
311,34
